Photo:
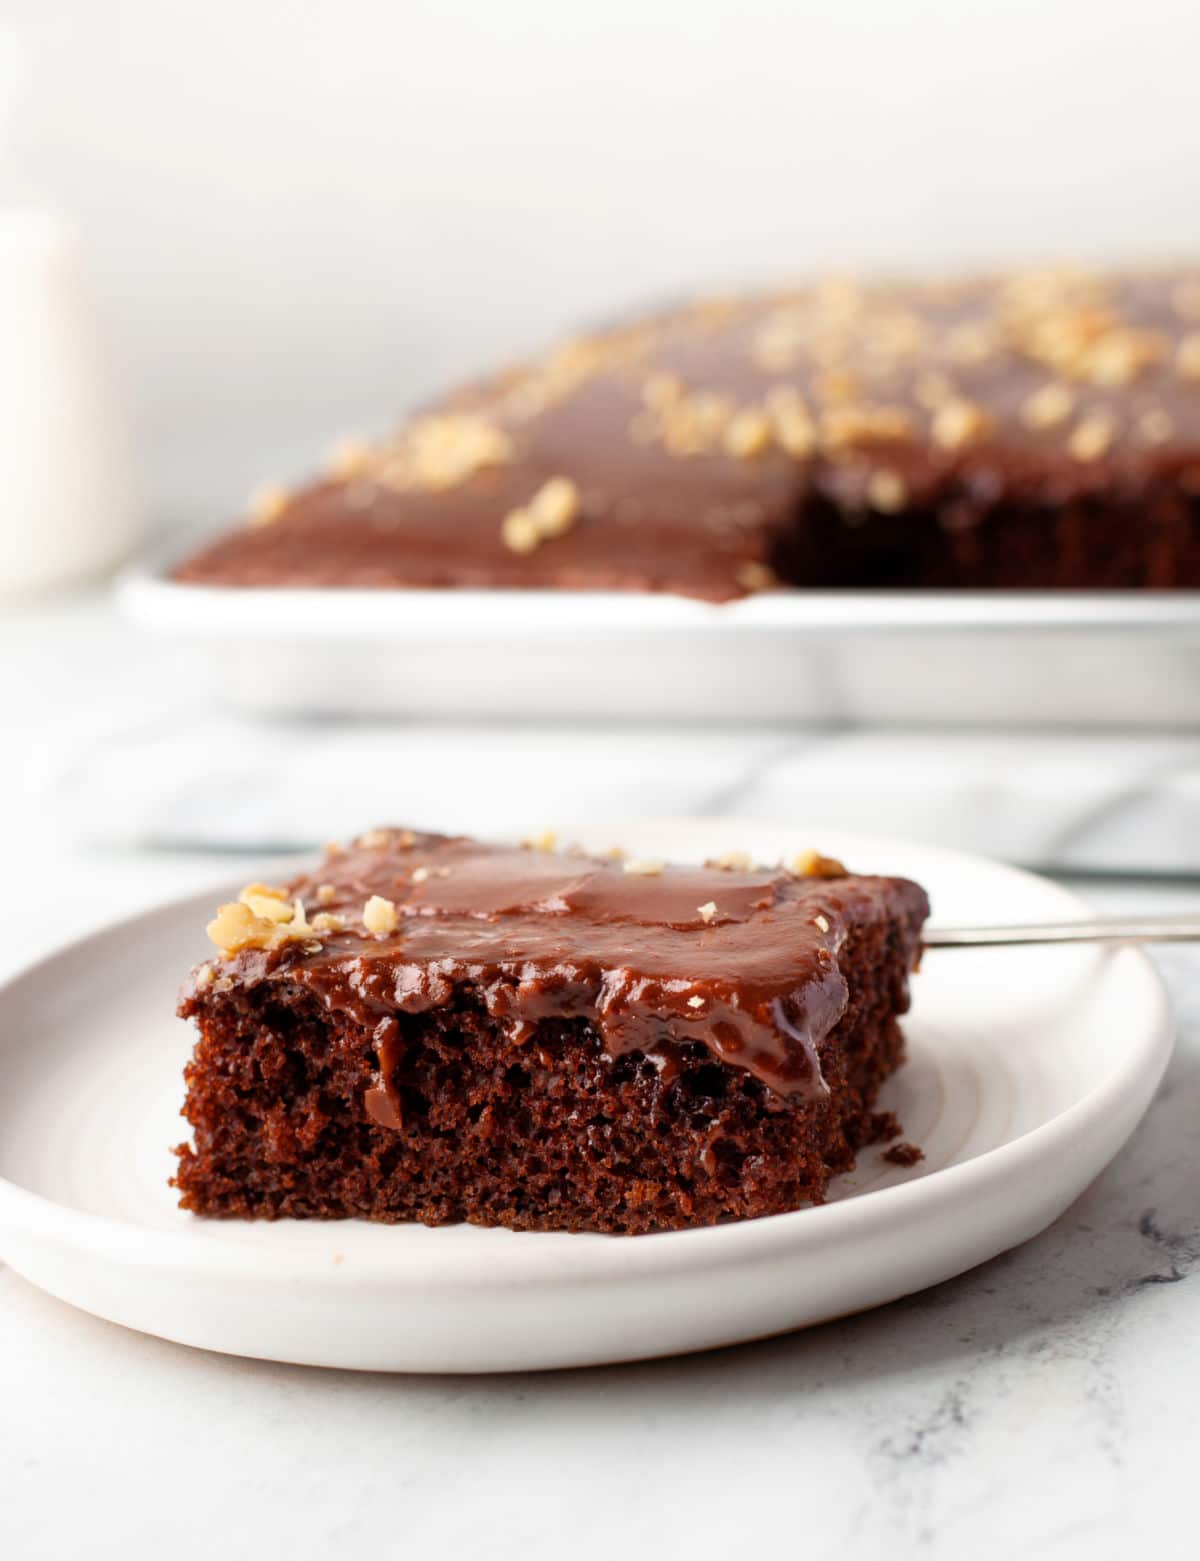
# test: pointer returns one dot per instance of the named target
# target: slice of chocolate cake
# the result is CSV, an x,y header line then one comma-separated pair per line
x,y
429,1028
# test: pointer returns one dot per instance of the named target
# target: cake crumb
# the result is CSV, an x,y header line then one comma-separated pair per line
x,y
373,839
546,841
904,1153
644,867
420,874
379,915
707,911
732,862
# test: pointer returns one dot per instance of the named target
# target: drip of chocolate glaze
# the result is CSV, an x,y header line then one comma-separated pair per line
x,y
382,1099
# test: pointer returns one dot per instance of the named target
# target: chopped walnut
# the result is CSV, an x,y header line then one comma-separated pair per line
x,y
379,915
695,1002
755,576
843,427
1091,438
555,507
261,918
748,434
732,862
267,503
374,839
546,841
1187,356
325,921
519,532
958,422
1048,407
811,864
821,922
707,911
420,874
644,867
267,903
1121,355
442,451
837,385
887,491
326,894
551,512
350,457
204,975
794,430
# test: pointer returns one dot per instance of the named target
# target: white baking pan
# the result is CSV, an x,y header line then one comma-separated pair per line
x,y
958,658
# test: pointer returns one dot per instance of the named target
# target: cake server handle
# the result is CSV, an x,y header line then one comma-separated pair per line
x,y
1183,928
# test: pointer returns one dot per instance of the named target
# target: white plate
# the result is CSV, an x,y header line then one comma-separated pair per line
x,y
1028,1069
1130,658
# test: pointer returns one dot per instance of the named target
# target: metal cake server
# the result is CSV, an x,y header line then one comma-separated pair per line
x,y
1183,928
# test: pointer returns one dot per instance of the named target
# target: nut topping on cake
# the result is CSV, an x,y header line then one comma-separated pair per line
x,y
260,918
811,864
379,915
267,504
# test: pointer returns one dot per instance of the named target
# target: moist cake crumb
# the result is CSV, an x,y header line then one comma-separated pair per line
x,y
904,1154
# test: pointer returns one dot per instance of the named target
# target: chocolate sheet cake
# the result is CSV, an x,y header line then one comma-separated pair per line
x,y
428,1028
1040,429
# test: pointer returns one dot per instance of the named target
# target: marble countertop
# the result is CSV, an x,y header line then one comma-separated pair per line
x,y
1047,1404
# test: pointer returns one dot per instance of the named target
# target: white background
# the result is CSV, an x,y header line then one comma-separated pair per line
x,y
302,216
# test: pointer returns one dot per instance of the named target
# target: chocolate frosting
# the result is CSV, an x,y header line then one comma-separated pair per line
x,y
690,473
534,936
